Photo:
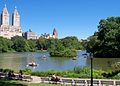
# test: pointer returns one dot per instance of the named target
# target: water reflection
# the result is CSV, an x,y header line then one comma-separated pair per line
x,y
103,63
18,61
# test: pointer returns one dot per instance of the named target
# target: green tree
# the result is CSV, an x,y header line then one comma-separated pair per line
x,y
58,50
42,43
70,42
93,44
107,38
32,44
19,44
5,44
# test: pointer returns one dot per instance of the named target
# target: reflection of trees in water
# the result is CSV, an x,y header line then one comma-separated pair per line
x,y
59,62
116,66
102,63
10,60
20,60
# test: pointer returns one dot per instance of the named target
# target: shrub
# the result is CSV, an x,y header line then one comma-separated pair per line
x,y
27,71
6,70
1,70
117,76
77,69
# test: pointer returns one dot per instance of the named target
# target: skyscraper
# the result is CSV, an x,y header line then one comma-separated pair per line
x,y
5,17
7,30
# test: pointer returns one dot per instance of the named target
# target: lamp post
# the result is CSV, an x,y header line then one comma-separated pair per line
x,y
91,57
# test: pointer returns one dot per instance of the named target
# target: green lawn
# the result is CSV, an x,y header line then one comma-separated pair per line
x,y
40,84
4,82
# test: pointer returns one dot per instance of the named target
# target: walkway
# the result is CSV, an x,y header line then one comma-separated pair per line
x,y
77,81
72,81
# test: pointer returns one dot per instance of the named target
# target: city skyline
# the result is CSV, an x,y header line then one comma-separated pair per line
x,y
70,17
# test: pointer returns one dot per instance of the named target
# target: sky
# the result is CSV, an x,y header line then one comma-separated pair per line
x,y
78,18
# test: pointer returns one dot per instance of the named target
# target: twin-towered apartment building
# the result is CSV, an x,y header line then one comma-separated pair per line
x,y
8,31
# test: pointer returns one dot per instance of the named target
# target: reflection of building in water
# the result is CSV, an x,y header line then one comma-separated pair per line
x,y
7,30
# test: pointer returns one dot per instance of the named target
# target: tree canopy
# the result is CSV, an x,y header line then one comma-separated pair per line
x,y
56,47
106,42
19,44
65,47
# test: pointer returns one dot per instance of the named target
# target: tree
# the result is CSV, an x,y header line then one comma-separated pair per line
x,y
42,43
107,38
19,44
32,44
70,42
5,44
58,50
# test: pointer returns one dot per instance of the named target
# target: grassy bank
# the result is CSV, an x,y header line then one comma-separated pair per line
x,y
5,82
77,72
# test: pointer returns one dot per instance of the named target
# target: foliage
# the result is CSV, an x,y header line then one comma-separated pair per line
x,y
42,43
58,50
19,44
117,76
5,70
5,82
105,42
70,42
76,73
83,44
111,74
57,47
77,69
5,44
32,45
27,71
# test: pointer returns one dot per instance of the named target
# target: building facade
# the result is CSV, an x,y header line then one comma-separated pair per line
x,y
7,30
53,35
30,35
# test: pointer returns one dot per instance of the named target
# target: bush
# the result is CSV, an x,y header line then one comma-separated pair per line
x,y
117,76
98,74
77,69
6,70
1,70
27,71
65,53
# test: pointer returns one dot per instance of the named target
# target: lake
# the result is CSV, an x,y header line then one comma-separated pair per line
x,y
18,61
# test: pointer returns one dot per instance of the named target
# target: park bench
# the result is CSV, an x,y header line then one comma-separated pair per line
x,y
67,81
110,83
45,80
2,75
95,82
117,83
79,82
27,78
15,77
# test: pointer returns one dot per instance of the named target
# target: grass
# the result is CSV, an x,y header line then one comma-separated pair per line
x,y
5,82
41,84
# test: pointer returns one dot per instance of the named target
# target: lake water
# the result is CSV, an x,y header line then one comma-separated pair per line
x,y
18,61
